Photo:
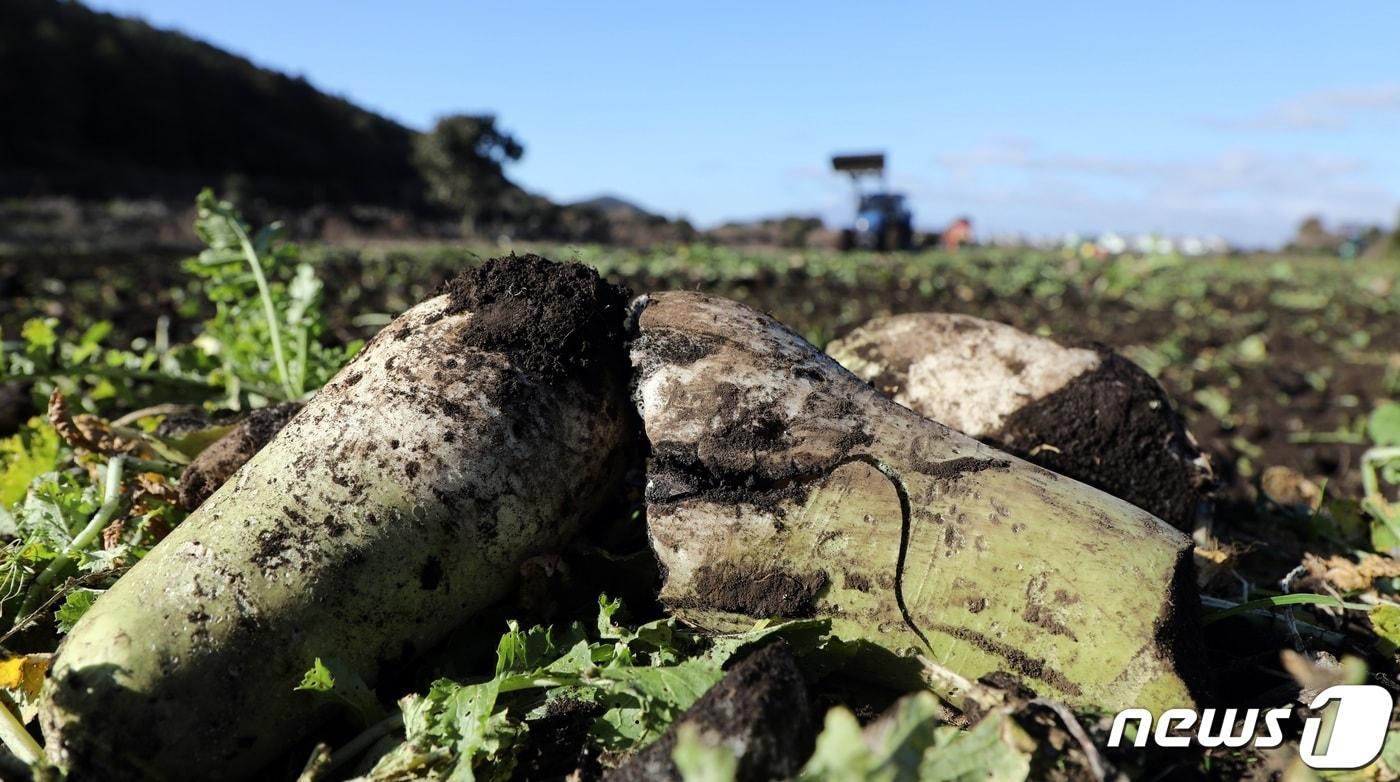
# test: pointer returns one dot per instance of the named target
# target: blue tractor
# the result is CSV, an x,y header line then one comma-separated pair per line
x,y
883,220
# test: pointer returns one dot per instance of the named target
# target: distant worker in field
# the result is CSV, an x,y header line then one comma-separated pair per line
x,y
958,233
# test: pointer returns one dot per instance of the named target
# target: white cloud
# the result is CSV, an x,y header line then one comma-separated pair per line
x,y
1334,109
1018,153
1010,184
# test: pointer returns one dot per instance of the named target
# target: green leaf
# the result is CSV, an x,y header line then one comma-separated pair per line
x,y
996,749
1253,349
1385,620
338,680
1383,426
302,294
267,317
1215,401
642,679
701,760
318,679
910,744
520,651
471,709
25,456
1383,538
39,338
454,731
841,752
646,700
74,606
606,609
1279,601
56,507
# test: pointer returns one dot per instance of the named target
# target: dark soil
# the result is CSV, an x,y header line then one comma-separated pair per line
x,y
552,319
1019,662
1114,429
1179,633
760,709
759,591
221,460
558,748
952,469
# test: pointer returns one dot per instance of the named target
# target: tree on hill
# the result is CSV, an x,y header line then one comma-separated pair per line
x,y
462,160
1312,236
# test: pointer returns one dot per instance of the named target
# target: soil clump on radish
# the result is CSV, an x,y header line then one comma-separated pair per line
x,y
1107,430
552,319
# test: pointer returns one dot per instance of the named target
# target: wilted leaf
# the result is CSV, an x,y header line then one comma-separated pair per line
x,y
1346,575
24,673
1288,487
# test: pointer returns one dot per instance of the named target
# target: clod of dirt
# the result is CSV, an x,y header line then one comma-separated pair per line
x,y
1113,428
1084,412
559,748
219,461
760,711
551,318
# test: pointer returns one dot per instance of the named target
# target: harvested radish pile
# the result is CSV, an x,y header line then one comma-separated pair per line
x,y
543,527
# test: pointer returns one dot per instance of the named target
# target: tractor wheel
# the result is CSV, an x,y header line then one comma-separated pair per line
x,y
894,238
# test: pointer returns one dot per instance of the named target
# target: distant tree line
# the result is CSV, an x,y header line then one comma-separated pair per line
x,y
1347,241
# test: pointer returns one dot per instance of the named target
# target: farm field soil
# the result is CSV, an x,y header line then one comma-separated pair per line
x,y
1272,360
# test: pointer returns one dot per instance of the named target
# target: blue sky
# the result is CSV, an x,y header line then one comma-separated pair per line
x,y
1193,117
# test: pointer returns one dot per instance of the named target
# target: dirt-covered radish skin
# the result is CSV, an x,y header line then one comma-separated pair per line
x,y
781,484
477,429
1085,412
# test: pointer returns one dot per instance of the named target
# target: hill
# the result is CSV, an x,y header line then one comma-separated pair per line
x,y
614,207
100,106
